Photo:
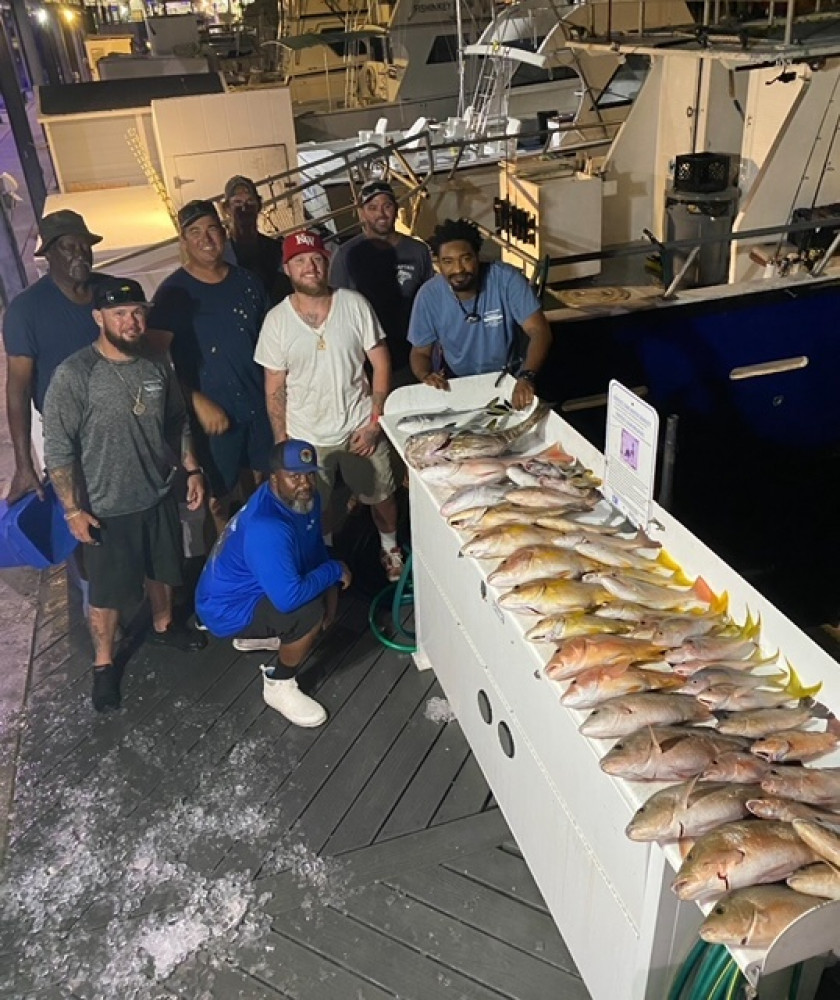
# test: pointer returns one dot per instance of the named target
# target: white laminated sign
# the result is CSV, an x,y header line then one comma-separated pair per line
x,y
630,453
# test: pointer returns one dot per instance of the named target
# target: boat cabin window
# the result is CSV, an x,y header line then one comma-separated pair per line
x,y
625,83
444,50
527,74
346,47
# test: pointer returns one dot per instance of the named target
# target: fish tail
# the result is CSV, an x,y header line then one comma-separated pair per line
x,y
795,688
666,560
542,410
703,592
719,604
751,629
554,453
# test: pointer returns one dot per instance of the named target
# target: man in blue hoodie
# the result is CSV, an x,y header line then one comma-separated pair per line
x,y
270,581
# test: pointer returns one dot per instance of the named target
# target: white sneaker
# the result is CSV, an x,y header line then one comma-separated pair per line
x,y
252,645
287,698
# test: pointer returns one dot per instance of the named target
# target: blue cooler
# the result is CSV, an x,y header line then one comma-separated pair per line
x,y
33,532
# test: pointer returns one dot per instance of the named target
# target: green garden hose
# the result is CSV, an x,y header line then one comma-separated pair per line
x,y
710,973
403,596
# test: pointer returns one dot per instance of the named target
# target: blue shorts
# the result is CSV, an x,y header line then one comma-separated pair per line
x,y
242,446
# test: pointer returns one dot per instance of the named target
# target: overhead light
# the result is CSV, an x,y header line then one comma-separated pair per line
x,y
69,15
41,16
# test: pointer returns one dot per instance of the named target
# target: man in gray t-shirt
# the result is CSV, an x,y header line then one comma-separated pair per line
x,y
115,431
387,267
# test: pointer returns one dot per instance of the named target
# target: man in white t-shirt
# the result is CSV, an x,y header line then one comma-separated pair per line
x,y
313,347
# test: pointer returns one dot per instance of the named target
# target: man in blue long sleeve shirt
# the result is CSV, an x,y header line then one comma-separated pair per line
x,y
270,581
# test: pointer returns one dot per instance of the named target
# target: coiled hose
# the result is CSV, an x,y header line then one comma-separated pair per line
x,y
710,973
403,596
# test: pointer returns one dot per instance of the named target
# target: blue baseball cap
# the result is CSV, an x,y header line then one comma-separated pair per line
x,y
293,456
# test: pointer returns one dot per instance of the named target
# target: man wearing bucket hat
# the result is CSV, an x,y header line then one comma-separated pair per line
x,y
247,246
387,267
42,327
313,347
117,405
270,582
214,311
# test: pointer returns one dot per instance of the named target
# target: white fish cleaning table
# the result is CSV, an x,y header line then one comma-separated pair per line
x,y
610,897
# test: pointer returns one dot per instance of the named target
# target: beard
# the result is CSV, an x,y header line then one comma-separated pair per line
x,y
301,506
121,343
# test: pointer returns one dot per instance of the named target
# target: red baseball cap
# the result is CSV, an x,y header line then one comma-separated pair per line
x,y
303,242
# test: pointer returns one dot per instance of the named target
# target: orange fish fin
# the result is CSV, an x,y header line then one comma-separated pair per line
x,y
555,453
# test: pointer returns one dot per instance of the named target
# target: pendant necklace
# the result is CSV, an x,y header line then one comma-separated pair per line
x,y
139,407
472,316
312,322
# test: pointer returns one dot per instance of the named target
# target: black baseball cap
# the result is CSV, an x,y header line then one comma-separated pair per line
x,y
238,181
54,225
373,188
111,292
293,455
195,210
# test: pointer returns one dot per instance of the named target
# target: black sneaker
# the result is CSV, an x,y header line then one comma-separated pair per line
x,y
106,688
187,640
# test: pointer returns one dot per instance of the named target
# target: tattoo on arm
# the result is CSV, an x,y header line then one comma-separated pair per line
x,y
276,397
64,484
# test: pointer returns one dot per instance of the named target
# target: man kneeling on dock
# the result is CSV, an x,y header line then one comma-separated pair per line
x,y
270,581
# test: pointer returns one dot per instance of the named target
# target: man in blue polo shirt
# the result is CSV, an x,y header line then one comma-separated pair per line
x,y
270,581
471,311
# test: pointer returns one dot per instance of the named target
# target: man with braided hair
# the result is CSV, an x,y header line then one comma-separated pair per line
x,y
471,311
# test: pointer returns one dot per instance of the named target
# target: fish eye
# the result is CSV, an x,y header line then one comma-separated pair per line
x,y
744,941
719,912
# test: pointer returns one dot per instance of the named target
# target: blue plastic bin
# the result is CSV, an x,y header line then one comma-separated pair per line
x,y
33,532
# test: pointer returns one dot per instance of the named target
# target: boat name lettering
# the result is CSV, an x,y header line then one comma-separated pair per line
x,y
430,8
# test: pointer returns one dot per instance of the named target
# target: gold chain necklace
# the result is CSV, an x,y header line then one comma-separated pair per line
x,y
311,320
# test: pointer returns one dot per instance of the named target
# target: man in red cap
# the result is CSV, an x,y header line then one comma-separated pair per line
x,y
43,326
313,347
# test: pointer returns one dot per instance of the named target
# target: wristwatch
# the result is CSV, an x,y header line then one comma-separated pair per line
x,y
195,472
528,375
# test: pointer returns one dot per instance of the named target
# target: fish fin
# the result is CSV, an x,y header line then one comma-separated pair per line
x,y
719,604
666,560
703,592
751,629
795,688
779,680
554,453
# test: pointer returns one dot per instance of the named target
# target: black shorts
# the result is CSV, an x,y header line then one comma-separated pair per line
x,y
242,446
134,547
269,623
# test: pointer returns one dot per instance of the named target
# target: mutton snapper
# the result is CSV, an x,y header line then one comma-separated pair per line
x,y
756,916
629,713
666,753
764,721
446,445
737,767
470,472
821,879
740,854
689,809
794,744
816,786
787,810
660,597
574,655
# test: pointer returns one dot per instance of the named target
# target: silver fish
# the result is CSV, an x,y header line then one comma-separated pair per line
x,y
470,472
736,766
496,409
713,647
429,447
816,786
763,721
474,496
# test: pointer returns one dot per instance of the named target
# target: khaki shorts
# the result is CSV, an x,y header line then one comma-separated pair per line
x,y
371,479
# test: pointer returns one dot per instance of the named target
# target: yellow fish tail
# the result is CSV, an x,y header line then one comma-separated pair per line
x,y
666,560
795,688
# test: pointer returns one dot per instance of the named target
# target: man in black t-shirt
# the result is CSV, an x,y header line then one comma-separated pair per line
x,y
247,246
387,267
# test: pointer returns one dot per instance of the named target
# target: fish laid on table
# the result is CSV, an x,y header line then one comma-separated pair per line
x,y
628,713
607,534
684,598
552,628
787,810
689,809
736,766
603,551
823,842
742,698
470,472
538,496
481,518
474,496
574,655
505,539
597,685
627,611
545,597
795,745
815,786
537,562
709,677
740,854
713,647
675,629
690,667
764,721
754,917
496,409
444,445
666,753
821,879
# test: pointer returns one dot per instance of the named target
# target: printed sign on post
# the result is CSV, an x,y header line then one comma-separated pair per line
x,y
630,453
